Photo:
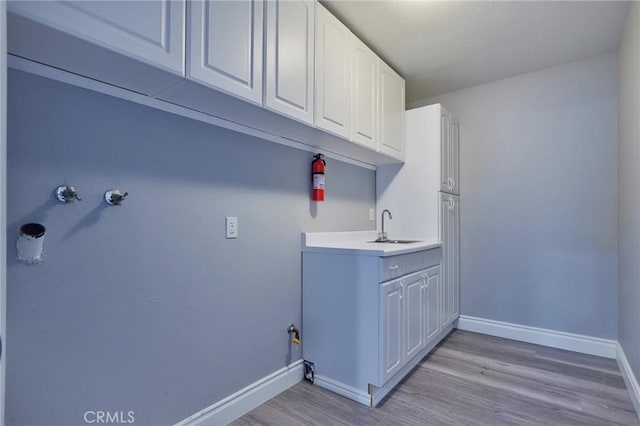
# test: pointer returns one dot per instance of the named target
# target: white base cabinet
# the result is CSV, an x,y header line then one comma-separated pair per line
x,y
450,237
409,310
367,320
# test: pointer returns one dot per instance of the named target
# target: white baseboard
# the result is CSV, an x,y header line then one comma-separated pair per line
x,y
629,378
540,336
236,405
341,389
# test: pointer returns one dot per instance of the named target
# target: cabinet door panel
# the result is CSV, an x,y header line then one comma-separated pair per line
x,y
364,90
333,74
225,47
454,259
157,40
445,152
455,157
391,328
414,310
445,220
432,303
392,108
290,47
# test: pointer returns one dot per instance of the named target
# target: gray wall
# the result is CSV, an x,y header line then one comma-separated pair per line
x,y
628,183
538,198
146,307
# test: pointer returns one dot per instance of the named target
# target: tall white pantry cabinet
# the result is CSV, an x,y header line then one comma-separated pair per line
x,y
423,194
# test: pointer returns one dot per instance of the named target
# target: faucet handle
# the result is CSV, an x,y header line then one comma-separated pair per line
x,y
67,194
115,197
382,236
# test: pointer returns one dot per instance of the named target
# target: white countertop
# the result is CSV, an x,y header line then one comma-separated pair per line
x,y
358,243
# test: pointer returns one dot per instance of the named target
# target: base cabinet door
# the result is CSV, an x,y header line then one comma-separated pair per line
x,y
391,329
225,46
450,231
432,284
414,314
446,204
454,258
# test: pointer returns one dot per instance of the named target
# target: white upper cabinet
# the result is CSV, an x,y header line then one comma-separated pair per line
x,y
392,106
149,32
364,95
449,154
237,60
445,151
455,158
333,74
289,58
225,46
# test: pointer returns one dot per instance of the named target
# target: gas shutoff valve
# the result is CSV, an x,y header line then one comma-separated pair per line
x,y
295,339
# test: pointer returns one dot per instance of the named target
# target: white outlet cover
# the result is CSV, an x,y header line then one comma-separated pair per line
x,y
372,214
231,224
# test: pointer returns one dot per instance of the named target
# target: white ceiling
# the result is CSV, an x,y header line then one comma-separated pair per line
x,y
441,46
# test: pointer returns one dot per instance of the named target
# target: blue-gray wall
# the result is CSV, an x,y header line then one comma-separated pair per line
x,y
538,198
629,182
147,307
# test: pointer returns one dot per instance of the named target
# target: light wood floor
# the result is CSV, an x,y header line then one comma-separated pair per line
x,y
473,379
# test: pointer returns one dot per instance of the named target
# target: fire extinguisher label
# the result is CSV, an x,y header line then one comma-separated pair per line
x,y
318,181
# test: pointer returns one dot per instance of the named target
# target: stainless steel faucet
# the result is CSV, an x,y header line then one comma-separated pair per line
x,y
383,235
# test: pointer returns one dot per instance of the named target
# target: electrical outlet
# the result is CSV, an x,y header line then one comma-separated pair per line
x,y
232,226
372,214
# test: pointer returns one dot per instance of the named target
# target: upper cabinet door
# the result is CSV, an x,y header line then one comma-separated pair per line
x,y
445,152
148,31
333,74
364,95
391,112
225,46
455,158
290,47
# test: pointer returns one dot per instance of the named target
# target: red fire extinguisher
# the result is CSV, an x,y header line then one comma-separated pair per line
x,y
317,176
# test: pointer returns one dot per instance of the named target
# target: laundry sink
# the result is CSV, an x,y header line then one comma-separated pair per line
x,y
395,241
